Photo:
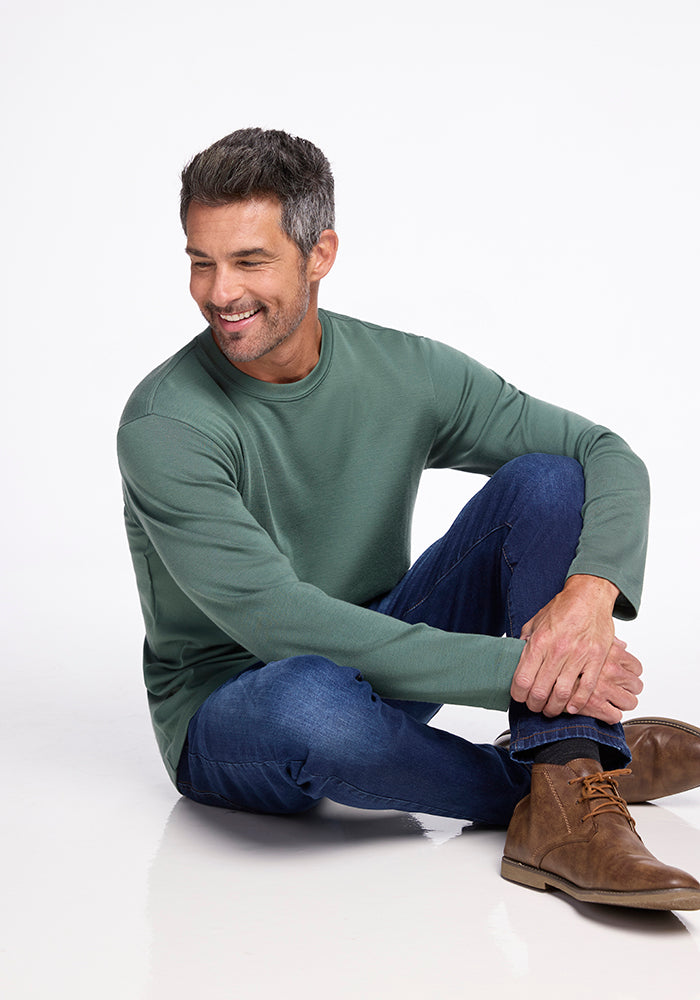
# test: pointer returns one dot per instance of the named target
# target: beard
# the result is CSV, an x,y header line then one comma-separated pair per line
x,y
268,330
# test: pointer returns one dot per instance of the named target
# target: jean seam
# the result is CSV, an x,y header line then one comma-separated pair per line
x,y
453,566
236,763
207,791
547,734
508,595
406,805
391,801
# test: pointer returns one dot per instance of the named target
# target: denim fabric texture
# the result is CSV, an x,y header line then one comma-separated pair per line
x,y
281,736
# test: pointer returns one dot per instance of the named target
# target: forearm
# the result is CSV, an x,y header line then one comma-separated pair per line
x,y
613,541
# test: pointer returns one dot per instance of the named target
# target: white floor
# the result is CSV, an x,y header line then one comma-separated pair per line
x,y
116,888
518,179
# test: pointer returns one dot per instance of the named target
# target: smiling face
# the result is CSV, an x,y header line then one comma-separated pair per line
x,y
255,289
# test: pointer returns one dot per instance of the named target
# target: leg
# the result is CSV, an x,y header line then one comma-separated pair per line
x,y
279,738
504,558
506,555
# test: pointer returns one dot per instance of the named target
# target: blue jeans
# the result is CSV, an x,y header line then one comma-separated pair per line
x,y
283,735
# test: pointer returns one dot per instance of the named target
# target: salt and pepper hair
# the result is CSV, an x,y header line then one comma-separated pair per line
x,y
254,162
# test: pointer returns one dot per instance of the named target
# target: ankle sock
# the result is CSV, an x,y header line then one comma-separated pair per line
x,y
563,751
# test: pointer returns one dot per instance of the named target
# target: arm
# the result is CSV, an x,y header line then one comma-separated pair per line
x,y
179,487
484,422
571,661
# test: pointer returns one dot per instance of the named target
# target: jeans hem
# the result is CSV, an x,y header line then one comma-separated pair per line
x,y
524,748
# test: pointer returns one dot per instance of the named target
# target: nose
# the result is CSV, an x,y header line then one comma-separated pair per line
x,y
226,287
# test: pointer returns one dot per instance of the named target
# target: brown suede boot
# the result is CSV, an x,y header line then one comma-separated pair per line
x,y
574,832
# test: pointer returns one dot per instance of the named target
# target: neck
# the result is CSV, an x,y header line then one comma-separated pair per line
x,y
291,360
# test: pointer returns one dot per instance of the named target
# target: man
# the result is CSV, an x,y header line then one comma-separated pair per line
x,y
270,469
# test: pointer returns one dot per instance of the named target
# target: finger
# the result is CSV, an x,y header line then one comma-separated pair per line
x,y
584,688
625,679
568,686
602,709
631,664
618,684
632,684
525,674
635,689
608,705
624,673
610,714
553,685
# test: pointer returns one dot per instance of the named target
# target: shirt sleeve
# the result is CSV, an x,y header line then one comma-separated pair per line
x,y
483,422
179,486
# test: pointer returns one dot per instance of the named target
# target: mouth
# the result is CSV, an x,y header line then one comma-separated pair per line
x,y
233,323
238,317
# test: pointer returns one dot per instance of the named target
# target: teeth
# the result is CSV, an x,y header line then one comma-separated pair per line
x,y
235,317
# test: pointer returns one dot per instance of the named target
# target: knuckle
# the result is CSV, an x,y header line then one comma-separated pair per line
x,y
562,687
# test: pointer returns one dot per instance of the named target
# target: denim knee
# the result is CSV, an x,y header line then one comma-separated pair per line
x,y
310,682
324,709
278,709
553,484
308,699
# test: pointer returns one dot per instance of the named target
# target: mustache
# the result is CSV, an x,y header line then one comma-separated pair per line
x,y
234,307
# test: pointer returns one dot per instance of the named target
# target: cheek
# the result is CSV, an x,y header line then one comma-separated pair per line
x,y
197,288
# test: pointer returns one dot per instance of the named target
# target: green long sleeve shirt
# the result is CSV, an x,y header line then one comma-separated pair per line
x,y
261,517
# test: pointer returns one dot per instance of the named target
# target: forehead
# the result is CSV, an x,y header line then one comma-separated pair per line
x,y
254,222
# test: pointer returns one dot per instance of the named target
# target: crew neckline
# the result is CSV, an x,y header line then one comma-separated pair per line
x,y
272,390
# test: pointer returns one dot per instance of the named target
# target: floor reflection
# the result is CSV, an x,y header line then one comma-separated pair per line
x,y
349,903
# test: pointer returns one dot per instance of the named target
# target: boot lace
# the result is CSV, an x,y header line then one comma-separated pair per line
x,y
601,789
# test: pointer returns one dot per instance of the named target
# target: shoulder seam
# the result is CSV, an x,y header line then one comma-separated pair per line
x,y
371,326
165,416
211,441
170,367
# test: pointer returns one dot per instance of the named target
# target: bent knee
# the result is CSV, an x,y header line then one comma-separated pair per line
x,y
321,705
553,483
307,678
304,693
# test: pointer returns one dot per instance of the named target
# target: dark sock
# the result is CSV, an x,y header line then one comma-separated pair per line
x,y
563,751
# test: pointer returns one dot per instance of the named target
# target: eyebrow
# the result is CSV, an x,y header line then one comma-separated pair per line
x,y
253,252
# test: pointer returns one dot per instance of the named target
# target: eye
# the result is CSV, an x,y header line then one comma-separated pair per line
x,y
201,265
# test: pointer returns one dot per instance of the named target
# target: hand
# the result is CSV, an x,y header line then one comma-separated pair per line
x,y
569,643
618,685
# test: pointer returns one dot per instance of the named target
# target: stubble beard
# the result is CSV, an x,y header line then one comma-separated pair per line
x,y
276,328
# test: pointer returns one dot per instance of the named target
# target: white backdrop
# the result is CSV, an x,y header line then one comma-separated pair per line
x,y
519,179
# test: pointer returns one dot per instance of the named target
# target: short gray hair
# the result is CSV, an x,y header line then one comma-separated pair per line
x,y
255,162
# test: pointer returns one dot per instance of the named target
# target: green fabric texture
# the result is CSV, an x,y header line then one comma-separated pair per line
x,y
261,517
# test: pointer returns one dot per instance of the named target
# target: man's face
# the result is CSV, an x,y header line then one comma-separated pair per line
x,y
247,276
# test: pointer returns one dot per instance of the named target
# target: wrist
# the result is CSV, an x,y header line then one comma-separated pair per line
x,y
595,589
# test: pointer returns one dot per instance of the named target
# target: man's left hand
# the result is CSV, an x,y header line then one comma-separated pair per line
x,y
568,643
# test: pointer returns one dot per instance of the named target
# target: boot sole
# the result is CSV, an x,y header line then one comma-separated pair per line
x,y
653,899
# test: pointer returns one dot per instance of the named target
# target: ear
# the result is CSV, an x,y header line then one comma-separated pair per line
x,y
322,256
